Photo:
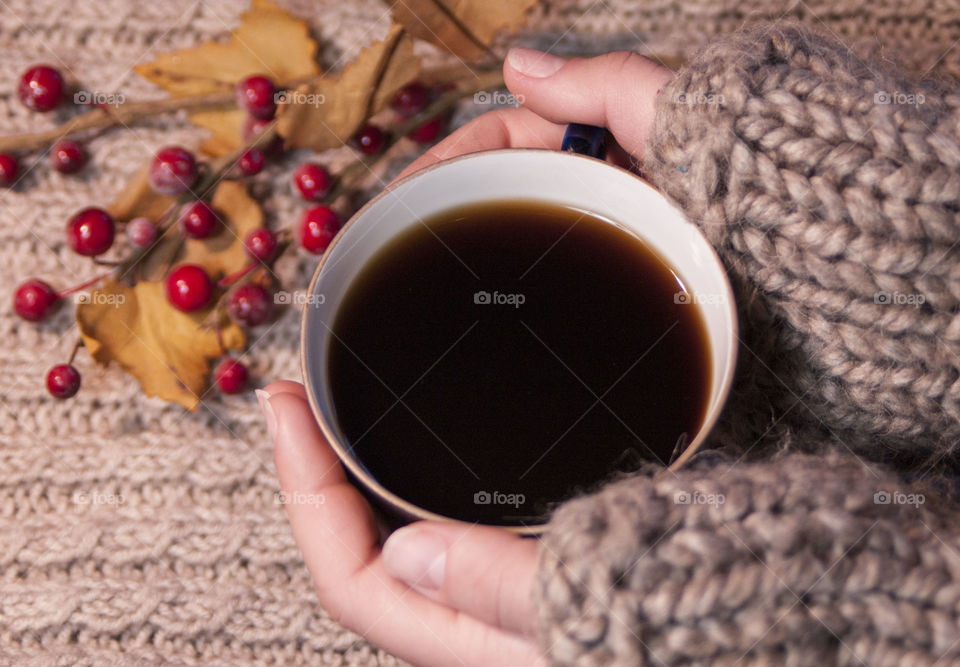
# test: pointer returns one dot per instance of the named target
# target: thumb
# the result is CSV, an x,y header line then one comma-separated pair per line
x,y
485,572
616,90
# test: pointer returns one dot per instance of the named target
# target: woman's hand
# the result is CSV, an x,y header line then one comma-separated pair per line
x,y
615,90
448,593
436,594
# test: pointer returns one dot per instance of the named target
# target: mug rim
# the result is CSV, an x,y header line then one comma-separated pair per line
x,y
413,510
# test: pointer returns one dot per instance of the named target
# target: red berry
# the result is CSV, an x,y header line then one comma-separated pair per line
x,y
90,232
261,244
251,162
370,140
68,157
141,232
63,381
428,132
9,170
34,300
173,171
317,228
249,305
312,181
198,221
252,127
41,88
256,94
410,100
231,376
189,288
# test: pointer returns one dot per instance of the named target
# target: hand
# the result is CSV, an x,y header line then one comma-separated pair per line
x,y
437,594
616,90
448,593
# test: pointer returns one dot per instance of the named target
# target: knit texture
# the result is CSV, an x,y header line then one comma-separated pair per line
x,y
132,532
830,187
791,562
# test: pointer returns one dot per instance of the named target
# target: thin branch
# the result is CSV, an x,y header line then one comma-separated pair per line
x,y
128,114
124,114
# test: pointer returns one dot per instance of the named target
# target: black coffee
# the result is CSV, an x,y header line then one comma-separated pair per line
x,y
501,357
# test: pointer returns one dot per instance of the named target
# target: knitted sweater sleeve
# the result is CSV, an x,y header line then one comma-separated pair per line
x,y
830,187
803,561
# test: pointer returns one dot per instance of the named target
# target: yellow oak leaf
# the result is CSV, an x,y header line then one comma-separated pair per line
x,y
166,350
268,41
464,27
326,113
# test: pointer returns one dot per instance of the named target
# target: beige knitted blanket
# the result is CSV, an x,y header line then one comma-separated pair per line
x,y
132,531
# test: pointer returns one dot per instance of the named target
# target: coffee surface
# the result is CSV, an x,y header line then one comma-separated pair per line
x,y
501,357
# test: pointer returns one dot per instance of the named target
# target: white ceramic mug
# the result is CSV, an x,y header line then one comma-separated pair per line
x,y
553,177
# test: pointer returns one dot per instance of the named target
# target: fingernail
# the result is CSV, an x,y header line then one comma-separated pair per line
x,y
416,557
531,62
263,398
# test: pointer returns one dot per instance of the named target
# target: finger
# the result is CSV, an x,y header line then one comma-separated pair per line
x,y
285,387
425,632
483,571
503,128
616,90
330,520
338,539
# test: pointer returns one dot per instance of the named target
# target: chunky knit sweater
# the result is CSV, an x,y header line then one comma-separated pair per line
x,y
830,186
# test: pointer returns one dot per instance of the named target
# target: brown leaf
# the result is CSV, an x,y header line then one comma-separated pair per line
x,y
269,41
168,351
220,254
325,114
226,130
224,253
464,27
138,199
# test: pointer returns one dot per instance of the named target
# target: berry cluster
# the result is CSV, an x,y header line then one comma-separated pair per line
x,y
41,89
175,172
313,182
91,232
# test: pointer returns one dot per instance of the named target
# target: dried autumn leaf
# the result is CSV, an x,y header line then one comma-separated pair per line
x,y
224,252
226,130
464,27
166,350
138,199
325,114
268,41
220,254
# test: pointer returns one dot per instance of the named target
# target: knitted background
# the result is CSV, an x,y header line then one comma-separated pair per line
x,y
132,531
